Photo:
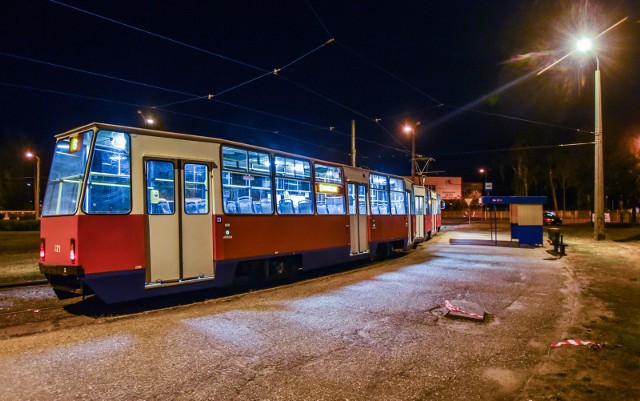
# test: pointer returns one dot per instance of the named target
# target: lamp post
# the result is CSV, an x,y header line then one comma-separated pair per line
x,y
411,129
484,184
36,203
585,45
147,120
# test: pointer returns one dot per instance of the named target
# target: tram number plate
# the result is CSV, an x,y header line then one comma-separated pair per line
x,y
56,248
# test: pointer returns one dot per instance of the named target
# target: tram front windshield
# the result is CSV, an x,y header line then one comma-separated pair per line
x,y
67,174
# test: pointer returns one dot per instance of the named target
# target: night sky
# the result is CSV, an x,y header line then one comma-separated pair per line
x,y
463,69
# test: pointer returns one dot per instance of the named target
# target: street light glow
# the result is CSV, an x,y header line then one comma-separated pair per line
x,y
407,129
29,155
147,120
584,44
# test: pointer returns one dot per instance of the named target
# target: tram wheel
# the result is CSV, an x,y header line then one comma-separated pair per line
x,y
281,269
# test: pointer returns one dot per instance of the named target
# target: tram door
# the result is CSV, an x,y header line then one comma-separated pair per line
x,y
358,201
419,214
179,229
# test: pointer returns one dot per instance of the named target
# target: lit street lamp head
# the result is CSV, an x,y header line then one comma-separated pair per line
x,y
147,120
584,45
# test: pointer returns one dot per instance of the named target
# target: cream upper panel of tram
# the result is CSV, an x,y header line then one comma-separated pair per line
x,y
152,147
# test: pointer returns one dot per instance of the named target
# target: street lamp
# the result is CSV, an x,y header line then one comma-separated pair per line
x,y
585,45
411,129
147,120
484,171
36,205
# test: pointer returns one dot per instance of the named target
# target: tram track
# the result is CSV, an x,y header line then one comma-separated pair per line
x,y
21,284
70,313
32,318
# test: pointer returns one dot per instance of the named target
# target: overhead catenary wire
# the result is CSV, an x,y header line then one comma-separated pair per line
x,y
69,94
368,118
274,72
97,74
132,82
322,24
514,148
178,42
256,129
525,120
266,73
394,76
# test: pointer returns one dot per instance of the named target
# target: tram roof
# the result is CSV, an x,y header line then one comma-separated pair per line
x,y
199,138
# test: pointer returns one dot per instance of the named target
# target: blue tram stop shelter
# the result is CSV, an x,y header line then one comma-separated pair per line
x,y
525,216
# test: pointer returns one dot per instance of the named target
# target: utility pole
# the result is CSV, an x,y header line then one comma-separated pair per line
x,y
599,170
353,143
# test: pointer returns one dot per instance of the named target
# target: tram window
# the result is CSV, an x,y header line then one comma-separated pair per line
x,y
294,196
196,189
398,198
379,194
259,162
362,200
329,189
108,188
294,193
234,159
419,205
351,193
294,168
246,181
246,193
67,174
160,187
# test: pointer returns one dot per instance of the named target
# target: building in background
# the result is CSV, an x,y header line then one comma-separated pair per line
x,y
449,188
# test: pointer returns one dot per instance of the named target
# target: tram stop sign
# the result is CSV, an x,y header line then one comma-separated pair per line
x,y
488,186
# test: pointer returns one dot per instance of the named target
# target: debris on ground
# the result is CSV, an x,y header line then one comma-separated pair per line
x,y
592,345
464,310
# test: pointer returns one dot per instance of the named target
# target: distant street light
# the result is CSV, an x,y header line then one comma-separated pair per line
x,y
36,204
485,172
411,129
147,120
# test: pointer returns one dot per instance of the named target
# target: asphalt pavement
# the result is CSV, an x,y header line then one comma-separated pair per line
x,y
375,332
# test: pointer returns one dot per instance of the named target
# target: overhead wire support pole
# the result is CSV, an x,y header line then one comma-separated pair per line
x,y
353,143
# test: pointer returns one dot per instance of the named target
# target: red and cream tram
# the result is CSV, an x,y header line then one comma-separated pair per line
x,y
130,213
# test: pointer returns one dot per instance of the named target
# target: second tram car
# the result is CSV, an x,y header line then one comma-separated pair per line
x,y
131,213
